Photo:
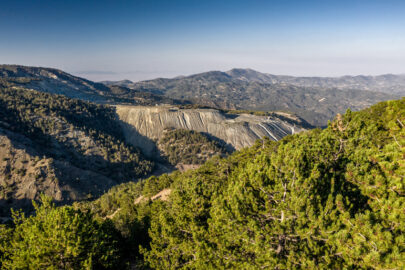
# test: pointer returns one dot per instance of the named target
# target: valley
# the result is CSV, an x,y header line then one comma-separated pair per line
x,y
165,165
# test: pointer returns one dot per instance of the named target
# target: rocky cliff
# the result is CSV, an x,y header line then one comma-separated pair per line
x,y
144,125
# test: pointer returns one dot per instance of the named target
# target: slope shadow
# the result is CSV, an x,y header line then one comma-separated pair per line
x,y
16,204
229,147
90,174
147,146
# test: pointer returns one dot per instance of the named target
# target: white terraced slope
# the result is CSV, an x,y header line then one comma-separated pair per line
x,y
145,124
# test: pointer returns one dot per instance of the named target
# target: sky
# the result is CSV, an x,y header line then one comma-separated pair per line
x,y
138,40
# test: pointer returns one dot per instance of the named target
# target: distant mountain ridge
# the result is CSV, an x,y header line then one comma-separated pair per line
x,y
54,81
317,100
388,83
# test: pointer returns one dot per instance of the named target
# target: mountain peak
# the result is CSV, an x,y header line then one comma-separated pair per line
x,y
242,70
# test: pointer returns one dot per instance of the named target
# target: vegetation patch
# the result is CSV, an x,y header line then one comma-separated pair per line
x,y
189,147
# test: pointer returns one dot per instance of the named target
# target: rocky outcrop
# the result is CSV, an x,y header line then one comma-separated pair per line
x,y
144,125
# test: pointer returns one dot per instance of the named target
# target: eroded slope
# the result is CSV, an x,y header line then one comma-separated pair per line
x,y
144,125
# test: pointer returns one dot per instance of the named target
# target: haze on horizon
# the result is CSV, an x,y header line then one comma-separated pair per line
x,y
137,40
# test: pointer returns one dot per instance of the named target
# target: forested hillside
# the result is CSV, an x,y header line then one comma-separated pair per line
x,y
330,198
320,199
68,149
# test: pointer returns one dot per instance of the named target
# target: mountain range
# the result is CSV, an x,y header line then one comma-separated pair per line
x,y
388,83
316,99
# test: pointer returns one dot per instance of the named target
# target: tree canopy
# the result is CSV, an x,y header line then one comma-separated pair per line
x,y
60,238
330,198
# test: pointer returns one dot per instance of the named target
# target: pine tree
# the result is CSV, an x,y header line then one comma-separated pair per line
x,y
60,238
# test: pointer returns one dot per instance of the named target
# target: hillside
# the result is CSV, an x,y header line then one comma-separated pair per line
x,y
330,198
245,89
55,81
66,148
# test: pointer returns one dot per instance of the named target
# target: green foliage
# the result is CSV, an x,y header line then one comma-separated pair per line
x,y
155,184
60,238
320,199
189,147
5,239
130,208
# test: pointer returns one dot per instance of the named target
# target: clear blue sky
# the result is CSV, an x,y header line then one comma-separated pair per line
x,y
146,39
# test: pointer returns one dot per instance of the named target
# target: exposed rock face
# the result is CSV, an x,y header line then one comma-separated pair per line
x,y
143,125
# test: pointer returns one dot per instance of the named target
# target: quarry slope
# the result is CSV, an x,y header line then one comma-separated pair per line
x,y
144,125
